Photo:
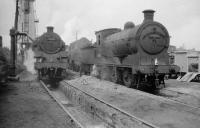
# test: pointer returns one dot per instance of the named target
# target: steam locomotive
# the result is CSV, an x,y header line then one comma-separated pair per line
x,y
134,56
51,57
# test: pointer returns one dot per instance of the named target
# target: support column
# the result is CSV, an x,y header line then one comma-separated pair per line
x,y
13,52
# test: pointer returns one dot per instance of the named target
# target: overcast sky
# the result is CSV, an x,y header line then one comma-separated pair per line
x,y
181,17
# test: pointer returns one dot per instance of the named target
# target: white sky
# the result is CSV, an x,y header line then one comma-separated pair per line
x,y
181,17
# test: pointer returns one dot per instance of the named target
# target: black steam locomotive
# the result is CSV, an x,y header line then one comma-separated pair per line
x,y
51,57
134,56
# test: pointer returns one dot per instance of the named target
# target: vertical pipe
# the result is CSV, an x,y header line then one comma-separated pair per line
x,y
1,44
13,49
13,52
16,15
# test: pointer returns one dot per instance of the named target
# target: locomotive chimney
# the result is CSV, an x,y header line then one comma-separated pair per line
x,y
49,29
1,45
148,15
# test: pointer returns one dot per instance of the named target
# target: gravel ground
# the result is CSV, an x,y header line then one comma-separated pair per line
x,y
27,105
191,88
176,83
27,76
163,113
188,92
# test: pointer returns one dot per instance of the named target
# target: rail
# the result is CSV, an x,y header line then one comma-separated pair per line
x,y
140,121
72,119
180,102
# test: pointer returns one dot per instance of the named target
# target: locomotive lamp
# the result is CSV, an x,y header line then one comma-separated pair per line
x,y
156,61
23,45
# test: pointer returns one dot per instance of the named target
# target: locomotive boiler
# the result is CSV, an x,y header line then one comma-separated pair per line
x,y
136,55
51,57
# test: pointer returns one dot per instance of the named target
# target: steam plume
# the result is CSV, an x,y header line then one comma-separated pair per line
x,y
29,61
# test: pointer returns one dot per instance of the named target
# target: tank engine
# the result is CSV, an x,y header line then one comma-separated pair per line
x,y
136,55
51,57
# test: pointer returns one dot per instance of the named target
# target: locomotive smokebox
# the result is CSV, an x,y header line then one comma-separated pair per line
x,y
50,29
148,15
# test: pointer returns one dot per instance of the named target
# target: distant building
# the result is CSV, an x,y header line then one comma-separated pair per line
x,y
180,59
187,60
171,50
193,61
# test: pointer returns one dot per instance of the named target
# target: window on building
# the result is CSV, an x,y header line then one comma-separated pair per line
x,y
171,60
99,42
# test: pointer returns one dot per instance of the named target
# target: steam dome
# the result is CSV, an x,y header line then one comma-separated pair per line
x,y
129,25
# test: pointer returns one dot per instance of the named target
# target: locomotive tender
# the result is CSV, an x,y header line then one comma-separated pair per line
x,y
51,57
135,56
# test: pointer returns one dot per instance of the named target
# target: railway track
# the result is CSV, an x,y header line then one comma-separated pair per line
x,y
111,110
86,110
104,123
70,119
113,103
180,97
175,97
